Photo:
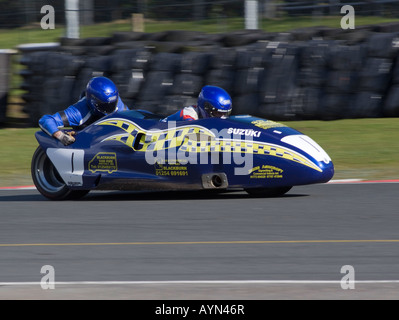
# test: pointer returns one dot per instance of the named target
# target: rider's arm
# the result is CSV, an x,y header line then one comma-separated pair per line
x,y
189,113
74,115
186,114
121,106
51,123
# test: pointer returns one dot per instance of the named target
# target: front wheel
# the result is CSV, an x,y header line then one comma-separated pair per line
x,y
48,181
268,192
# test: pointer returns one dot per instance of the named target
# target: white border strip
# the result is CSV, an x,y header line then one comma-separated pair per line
x,y
362,181
18,188
345,181
191,282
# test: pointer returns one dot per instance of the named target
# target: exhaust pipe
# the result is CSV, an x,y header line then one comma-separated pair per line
x,y
214,181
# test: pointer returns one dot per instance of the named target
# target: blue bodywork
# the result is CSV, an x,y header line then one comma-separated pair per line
x,y
133,150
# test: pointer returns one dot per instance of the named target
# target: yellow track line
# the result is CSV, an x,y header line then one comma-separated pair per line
x,y
195,242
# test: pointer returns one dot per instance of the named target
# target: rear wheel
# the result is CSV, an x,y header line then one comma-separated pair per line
x,y
268,192
48,181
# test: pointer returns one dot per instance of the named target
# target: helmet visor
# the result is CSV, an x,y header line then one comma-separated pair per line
x,y
215,112
104,107
223,114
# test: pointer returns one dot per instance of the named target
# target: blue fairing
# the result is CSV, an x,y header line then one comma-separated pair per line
x,y
133,150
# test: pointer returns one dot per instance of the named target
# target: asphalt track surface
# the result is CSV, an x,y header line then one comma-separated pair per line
x,y
189,245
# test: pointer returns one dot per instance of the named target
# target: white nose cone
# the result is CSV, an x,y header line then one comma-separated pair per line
x,y
309,146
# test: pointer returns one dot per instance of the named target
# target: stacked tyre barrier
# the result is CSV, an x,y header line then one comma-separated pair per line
x,y
315,73
5,76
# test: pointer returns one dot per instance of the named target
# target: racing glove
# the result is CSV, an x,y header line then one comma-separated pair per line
x,y
66,139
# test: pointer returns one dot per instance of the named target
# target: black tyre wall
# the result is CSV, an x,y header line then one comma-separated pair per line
x,y
315,73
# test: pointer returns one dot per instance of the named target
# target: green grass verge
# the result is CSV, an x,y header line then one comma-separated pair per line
x,y
16,150
361,148
10,38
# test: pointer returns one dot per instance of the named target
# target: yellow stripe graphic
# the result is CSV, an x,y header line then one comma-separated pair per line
x,y
196,139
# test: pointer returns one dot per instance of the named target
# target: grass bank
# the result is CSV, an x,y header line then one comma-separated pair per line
x,y
16,150
360,148
10,38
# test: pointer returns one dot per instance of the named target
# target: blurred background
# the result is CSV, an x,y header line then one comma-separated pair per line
x,y
18,13
283,60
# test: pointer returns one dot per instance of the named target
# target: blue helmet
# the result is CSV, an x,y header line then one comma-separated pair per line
x,y
215,101
102,95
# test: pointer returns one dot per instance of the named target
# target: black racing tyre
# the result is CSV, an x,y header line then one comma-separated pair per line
x,y
48,181
268,192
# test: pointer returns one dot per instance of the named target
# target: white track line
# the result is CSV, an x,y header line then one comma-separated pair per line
x,y
193,282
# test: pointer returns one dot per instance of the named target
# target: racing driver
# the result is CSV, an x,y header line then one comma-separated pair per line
x,y
212,102
101,98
